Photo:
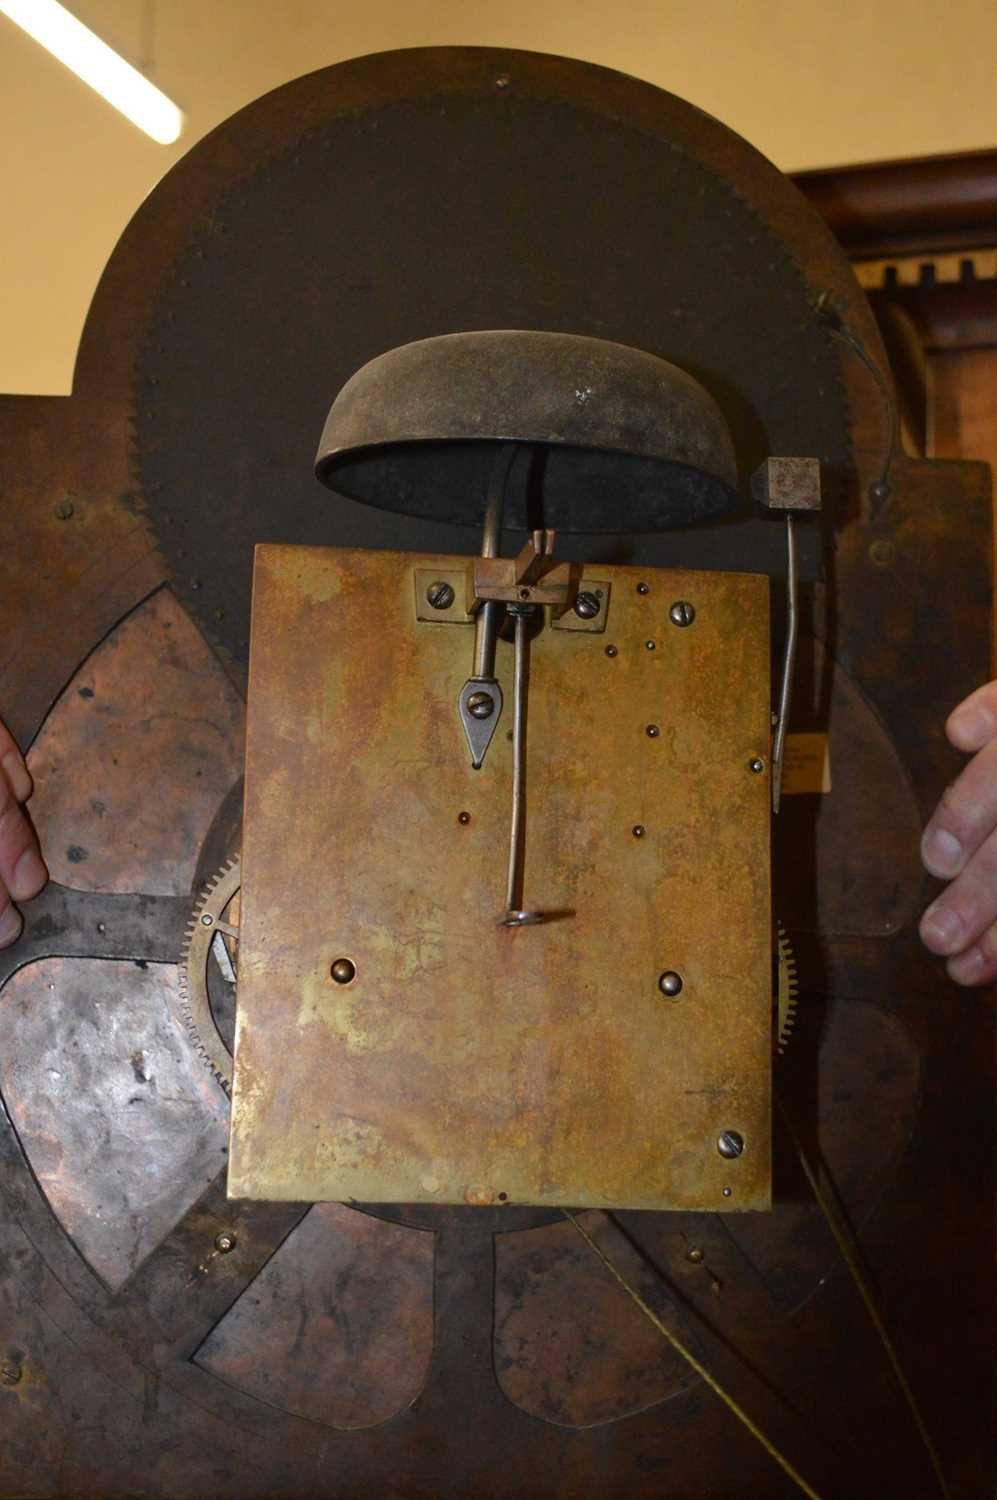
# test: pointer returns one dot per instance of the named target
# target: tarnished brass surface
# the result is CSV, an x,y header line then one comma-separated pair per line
x,y
467,1062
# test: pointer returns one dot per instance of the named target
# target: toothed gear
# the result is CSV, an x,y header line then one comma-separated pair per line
x,y
211,919
786,991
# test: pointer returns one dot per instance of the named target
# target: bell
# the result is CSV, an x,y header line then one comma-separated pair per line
x,y
610,439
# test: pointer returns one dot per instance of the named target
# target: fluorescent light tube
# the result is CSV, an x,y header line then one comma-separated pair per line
x,y
97,64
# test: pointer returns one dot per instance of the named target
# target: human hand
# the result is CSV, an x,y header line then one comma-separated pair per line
x,y
960,845
22,872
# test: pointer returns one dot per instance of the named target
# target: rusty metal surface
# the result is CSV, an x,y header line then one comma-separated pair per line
x,y
121,1124
181,724
618,1362
631,442
339,1326
461,1063
110,1402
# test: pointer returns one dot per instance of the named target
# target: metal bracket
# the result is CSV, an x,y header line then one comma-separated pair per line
x,y
452,583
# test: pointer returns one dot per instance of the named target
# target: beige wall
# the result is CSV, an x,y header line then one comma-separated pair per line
x,y
811,83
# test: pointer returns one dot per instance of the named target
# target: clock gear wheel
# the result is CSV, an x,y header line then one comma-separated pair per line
x,y
208,970
787,988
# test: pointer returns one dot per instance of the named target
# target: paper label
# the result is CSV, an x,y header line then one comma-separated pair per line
x,y
806,764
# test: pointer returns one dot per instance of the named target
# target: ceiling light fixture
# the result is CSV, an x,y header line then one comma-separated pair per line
x,y
52,25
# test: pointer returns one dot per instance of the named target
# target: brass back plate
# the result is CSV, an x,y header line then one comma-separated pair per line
x,y
468,1062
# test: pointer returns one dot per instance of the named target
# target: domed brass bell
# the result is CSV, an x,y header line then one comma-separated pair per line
x,y
612,439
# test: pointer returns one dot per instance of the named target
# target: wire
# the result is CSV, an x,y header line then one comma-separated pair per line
x,y
690,1358
846,1245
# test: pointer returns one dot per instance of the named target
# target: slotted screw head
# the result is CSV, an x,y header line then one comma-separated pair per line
x,y
730,1143
10,1372
481,705
682,613
439,595
587,606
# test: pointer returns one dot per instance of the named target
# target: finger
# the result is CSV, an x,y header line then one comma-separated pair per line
x,y
967,907
973,723
10,920
978,965
965,816
13,765
21,869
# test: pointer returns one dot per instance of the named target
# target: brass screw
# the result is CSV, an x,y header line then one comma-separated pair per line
x,y
10,1372
225,1242
439,595
343,970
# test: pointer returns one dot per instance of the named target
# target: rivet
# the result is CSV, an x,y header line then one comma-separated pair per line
x,y
207,919
653,731
481,705
694,1254
638,830
64,510
503,81
225,1242
464,818
524,593
880,490
727,1192
10,1372
643,588
343,970
670,983
730,1143
439,595
756,766
586,606
649,645
682,613
612,651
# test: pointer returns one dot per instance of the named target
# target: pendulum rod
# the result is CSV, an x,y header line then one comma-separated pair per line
x,y
490,614
479,704
515,916
690,1359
